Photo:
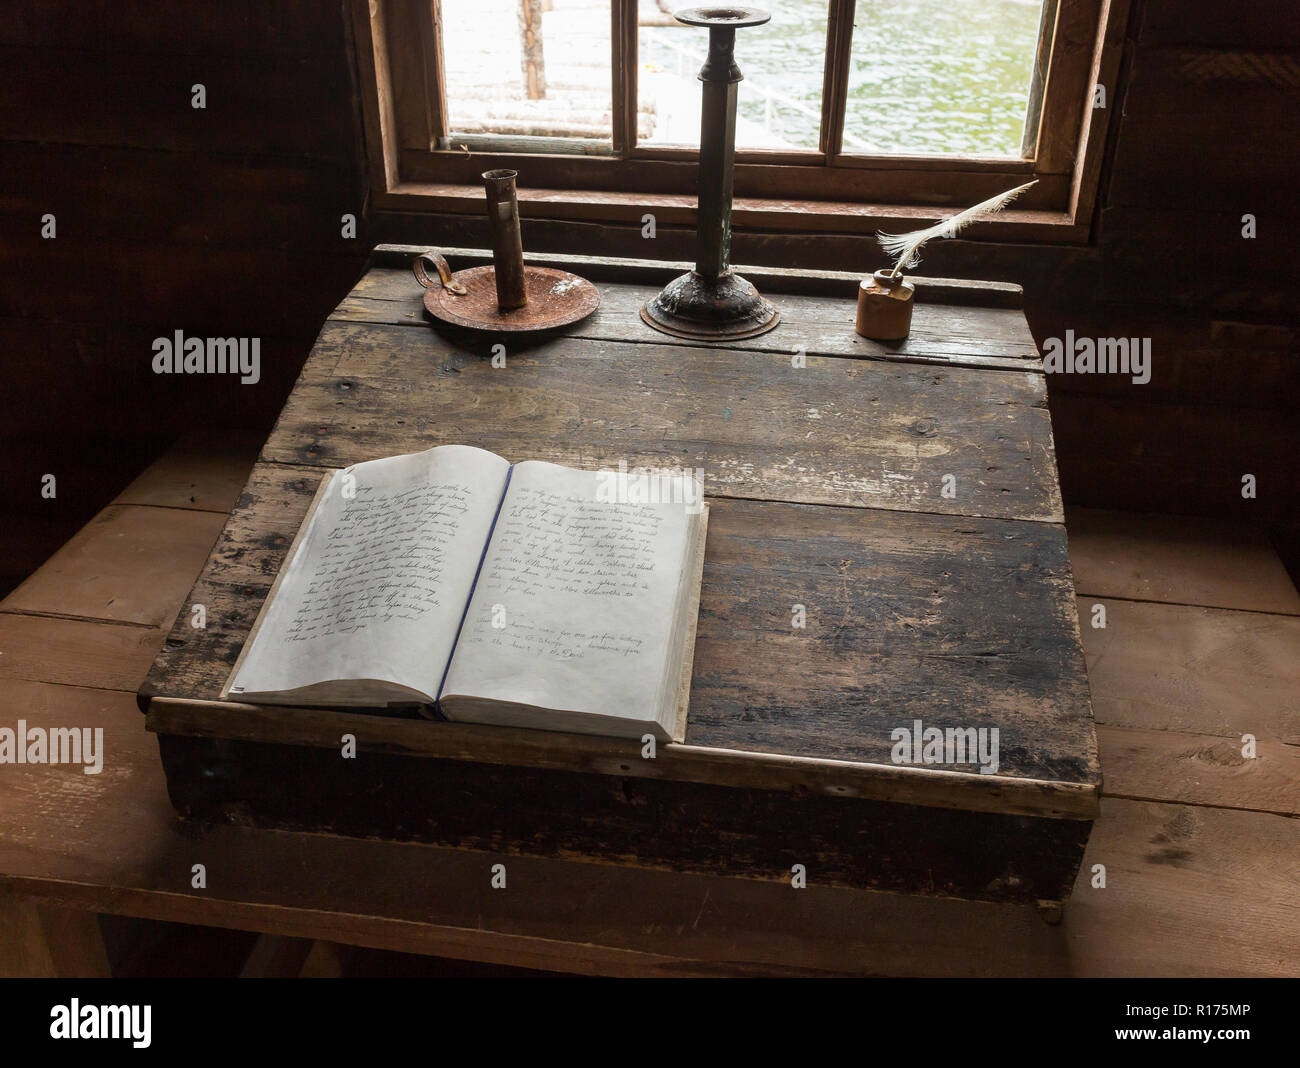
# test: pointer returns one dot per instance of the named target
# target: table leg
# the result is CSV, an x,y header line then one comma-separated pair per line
x,y
50,941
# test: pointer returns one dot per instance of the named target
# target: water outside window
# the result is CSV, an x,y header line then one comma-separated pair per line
x,y
943,77
779,102
485,69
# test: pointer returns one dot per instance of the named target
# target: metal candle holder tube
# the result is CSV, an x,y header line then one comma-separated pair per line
x,y
507,245
712,302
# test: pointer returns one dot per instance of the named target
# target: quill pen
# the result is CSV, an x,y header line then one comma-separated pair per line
x,y
903,248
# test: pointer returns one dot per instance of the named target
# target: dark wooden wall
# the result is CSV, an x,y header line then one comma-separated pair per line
x,y
1209,132
226,222
223,221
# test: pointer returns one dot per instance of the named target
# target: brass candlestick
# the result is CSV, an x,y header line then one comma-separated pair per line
x,y
712,302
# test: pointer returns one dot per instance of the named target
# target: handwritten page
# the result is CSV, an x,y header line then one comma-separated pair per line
x,y
379,580
576,603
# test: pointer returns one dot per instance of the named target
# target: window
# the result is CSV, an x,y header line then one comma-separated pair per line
x,y
850,113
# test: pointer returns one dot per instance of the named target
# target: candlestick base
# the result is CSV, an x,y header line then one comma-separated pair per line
x,y
726,308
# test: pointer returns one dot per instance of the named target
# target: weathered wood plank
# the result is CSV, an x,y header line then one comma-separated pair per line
x,y
1153,167
135,196
593,188
295,105
815,282
818,325
1044,271
1200,769
1221,23
415,736
1177,560
1260,287
76,652
239,28
1127,454
829,342
1195,670
128,564
204,471
120,848
278,296
671,824
1240,103
1169,871
899,619
1194,358
860,433
1172,82
28,541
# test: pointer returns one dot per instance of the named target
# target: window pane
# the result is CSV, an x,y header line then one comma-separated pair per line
x,y
497,87
940,76
779,102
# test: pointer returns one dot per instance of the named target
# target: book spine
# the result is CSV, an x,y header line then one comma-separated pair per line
x,y
472,587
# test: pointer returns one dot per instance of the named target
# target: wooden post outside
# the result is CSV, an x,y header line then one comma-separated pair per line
x,y
530,45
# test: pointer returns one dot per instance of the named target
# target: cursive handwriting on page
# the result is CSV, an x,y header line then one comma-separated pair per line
x,y
562,543
382,560
555,549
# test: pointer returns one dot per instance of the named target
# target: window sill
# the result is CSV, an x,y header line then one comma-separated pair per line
x,y
671,209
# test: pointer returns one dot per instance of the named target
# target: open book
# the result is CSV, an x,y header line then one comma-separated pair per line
x,y
527,595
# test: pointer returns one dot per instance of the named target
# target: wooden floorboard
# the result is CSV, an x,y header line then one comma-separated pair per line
x,y
76,652
127,565
1196,670
1177,560
205,471
1190,891
1200,769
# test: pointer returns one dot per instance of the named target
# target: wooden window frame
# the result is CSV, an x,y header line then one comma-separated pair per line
x,y
405,117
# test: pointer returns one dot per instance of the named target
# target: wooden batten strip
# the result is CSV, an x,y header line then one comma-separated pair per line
x,y
770,279
476,743
409,311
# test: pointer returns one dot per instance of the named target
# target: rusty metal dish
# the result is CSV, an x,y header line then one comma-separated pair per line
x,y
555,299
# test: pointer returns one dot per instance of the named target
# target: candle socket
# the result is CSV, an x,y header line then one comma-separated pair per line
x,y
507,244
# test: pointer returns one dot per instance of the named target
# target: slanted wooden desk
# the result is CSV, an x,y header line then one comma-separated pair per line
x,y
905,496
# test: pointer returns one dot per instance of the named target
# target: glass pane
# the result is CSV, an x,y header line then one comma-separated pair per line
x,y
940,76
779,102
497,87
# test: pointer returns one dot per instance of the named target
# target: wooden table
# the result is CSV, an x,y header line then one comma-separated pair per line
x,y
1199,844
904,495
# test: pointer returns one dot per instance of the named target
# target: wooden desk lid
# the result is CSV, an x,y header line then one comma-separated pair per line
x,y
826,490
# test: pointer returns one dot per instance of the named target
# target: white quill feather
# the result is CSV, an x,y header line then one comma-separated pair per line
x,y
903,248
